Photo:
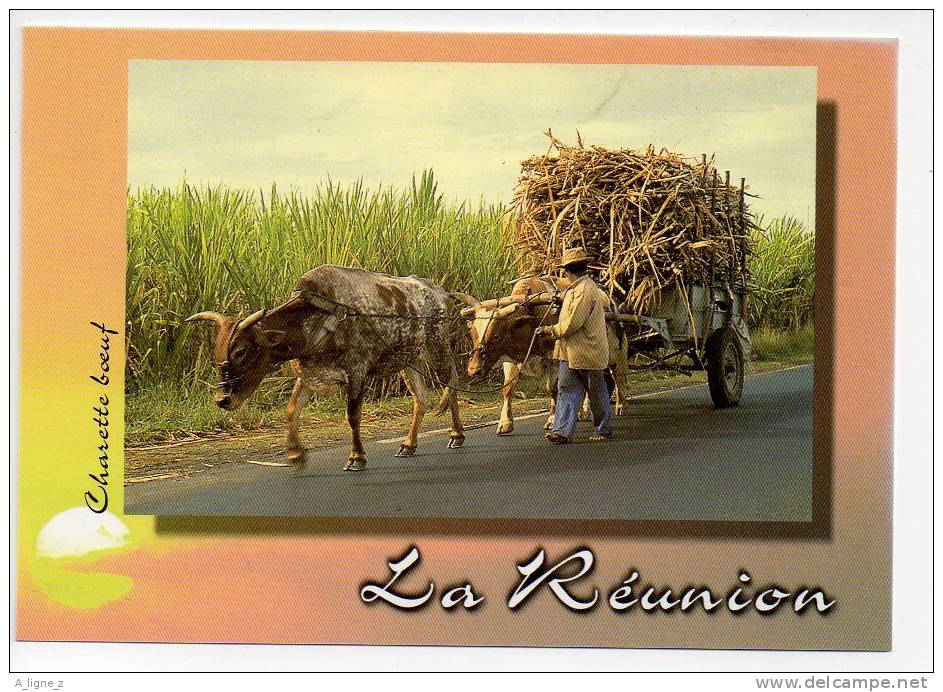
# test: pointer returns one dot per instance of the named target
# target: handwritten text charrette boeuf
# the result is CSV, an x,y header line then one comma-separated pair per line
x,y
566,580
96,498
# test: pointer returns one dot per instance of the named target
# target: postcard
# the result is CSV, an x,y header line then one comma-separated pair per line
x,y
359,337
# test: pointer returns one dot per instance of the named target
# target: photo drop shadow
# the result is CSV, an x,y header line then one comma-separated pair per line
x,y
819,529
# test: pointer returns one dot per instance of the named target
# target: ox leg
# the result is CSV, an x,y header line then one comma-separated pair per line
x,y
506,423
356,461
619,367
585,413
618,408
300,396
552,375
417,389
457,434
621,390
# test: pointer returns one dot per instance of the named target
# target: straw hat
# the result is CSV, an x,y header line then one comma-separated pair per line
x,y
574,255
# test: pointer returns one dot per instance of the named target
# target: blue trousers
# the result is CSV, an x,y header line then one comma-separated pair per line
x,y
571,385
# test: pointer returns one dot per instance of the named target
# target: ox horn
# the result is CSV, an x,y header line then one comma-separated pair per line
x,y
252,319
468,300
506,311
471,303
542,298
208,315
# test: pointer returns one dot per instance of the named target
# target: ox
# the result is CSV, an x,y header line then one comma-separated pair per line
x,y
505,334
343,327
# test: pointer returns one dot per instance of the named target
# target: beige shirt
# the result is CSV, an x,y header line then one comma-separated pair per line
x,y
581,328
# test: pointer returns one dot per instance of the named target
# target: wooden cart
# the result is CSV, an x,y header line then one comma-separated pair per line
x,y
709,327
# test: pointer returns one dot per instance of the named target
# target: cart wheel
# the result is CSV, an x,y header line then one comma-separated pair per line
x,y
724,367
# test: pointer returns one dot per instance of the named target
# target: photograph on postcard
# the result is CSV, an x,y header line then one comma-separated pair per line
x,y
420,290
456,340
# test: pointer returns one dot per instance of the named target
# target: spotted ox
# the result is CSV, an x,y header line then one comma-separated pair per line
x,y
343,327
504,335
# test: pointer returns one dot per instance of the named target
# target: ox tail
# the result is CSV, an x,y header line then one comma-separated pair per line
x,y
443,404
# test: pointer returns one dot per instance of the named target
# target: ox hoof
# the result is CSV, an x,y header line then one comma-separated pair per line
x,y
456,441
406,451
506,427
296,458
619,410
355,464
584,416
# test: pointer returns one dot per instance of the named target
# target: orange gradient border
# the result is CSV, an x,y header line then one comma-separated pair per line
x,y
255,583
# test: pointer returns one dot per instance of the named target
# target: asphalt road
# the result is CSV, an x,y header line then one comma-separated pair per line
x,y
673,457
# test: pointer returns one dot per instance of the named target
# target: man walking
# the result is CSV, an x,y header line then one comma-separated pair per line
x,y
582,347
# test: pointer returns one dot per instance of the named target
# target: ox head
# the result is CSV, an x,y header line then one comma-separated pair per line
x,y
242,352
504,332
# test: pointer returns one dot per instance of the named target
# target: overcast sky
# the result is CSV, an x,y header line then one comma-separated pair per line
x,y
250,124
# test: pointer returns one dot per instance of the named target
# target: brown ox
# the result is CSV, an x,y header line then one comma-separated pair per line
x,y
343,327
504,335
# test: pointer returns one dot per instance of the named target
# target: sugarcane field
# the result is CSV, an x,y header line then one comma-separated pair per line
x,y
624,331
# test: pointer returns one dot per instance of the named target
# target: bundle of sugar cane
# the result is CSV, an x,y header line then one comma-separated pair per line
x,y
652,219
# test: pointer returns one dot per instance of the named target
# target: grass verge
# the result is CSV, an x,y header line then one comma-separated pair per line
x,y
785,346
